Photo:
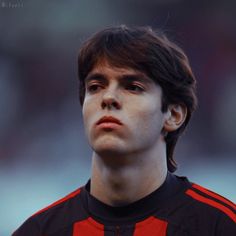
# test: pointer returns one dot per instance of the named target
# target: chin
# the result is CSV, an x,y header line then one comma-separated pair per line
x,y
110,148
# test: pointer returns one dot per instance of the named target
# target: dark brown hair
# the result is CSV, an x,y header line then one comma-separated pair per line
x,y
152,53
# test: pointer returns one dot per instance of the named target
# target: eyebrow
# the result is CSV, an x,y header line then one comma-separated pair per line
x,y
126,77
95,76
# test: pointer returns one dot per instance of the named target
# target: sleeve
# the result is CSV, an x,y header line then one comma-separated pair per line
x,y
226,226
28,228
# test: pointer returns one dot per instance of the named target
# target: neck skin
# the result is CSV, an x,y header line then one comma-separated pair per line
x,y
121,179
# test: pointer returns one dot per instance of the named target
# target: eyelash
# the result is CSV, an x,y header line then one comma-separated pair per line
x,y
134,88
94,87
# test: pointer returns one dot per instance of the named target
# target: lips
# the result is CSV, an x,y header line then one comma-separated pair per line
x,y
108,119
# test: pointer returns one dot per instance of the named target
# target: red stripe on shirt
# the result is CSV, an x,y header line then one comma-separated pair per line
x,y
71,195
216,196
213,203
88,227
151,226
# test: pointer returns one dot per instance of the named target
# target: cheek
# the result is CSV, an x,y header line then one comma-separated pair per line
x,y
147,121
87,114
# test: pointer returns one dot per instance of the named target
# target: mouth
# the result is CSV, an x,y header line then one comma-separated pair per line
x,y
109,120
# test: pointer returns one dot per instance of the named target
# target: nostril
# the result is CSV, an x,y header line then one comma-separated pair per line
x,y
103,105
110,103
116,105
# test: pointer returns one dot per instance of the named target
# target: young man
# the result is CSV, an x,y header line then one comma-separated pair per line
x,y
137,92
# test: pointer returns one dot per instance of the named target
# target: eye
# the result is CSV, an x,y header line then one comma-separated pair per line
x,y
134,88
94,87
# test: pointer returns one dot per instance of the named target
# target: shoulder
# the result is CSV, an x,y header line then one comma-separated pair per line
x,y
196,210
209,201
59,204
205,212
59,214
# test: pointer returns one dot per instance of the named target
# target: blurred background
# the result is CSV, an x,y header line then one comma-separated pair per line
x,y
44,154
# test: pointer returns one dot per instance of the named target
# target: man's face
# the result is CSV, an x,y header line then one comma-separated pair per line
x,y
122,110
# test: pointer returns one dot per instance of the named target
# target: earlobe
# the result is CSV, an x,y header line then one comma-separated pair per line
x,y
175,117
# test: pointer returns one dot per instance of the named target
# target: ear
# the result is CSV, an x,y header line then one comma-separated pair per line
x,y
175,117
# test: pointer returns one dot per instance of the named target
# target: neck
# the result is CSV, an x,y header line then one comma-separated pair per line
x,y
119,180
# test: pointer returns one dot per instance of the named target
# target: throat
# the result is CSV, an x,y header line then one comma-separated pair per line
x,y
115,187
123,186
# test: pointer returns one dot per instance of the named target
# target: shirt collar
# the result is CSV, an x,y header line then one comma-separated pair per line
x,y
135,211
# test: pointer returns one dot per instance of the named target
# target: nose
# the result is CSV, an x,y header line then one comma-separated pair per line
x,y
110,100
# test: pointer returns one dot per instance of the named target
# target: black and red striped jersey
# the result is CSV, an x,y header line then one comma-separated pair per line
x,y
177,208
